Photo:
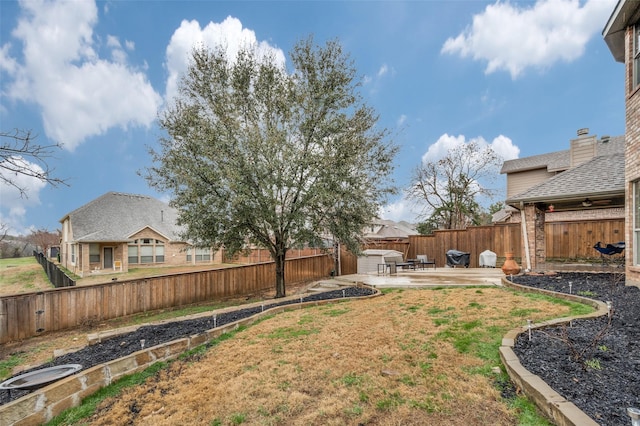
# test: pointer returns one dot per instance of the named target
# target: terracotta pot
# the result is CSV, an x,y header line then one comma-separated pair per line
x,y
510,266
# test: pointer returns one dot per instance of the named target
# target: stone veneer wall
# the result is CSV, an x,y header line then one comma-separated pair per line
x,y
632,157
536,241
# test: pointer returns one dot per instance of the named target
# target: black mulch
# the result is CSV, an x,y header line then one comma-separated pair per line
x,y
153,335
593,363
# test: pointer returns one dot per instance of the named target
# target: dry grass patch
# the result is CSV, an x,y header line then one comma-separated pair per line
x,y
411,357
21,275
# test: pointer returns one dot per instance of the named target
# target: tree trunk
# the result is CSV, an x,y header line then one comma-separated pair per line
x,y
280,283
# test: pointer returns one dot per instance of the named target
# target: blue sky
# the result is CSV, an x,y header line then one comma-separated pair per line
x,y
521,76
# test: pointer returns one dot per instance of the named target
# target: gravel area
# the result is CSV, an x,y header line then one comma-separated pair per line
x,y
593,363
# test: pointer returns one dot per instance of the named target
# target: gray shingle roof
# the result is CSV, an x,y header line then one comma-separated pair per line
x,y
117,216
552,161
391,229
560,160
600,176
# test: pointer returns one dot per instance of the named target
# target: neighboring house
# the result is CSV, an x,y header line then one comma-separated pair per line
x,y
388,230
622,35
117,231
585,182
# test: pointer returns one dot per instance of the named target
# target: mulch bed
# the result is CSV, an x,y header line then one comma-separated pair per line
x,y
594,363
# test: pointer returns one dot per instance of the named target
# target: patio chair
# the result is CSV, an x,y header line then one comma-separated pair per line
x,y
423,261
611,250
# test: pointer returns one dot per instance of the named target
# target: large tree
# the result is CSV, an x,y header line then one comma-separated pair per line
x,y
450,188
257,155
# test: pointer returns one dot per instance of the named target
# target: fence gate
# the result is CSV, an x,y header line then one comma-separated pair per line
x,y
39,312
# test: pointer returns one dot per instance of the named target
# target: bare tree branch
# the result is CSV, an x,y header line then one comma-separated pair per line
x,y
19,155
449,188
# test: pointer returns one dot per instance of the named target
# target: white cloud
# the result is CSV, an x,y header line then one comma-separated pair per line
x,y
80,94
117,52
399,210
376,81
401,120
504,147
14,204
513,38
229,34
501,145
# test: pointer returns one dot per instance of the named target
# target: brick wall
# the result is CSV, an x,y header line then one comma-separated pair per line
x,y
632,155
591,214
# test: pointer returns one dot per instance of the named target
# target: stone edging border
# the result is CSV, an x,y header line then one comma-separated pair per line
x,y
550,402
44,404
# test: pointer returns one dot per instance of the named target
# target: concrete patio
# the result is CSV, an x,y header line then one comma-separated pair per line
x,y
439,277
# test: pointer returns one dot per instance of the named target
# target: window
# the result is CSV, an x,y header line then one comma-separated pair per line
x,y
636,56
159,251
133,254
203,255
73,253
94,253
146,250
146,254
636,223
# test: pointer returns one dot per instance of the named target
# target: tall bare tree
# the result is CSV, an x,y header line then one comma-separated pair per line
x,y
449,188
255,155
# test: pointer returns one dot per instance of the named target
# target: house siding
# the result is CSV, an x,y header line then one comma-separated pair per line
x,y
519,182
632,156
582,150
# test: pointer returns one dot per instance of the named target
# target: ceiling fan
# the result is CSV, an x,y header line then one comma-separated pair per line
x,y
588,202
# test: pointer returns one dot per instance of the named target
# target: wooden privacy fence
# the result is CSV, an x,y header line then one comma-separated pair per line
x,y
29,314
56,276
563,241
575,240
498,238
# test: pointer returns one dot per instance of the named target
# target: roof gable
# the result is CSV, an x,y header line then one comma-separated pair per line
x,y
117,216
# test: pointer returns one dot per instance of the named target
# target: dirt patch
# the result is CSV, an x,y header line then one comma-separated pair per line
x,y
409,357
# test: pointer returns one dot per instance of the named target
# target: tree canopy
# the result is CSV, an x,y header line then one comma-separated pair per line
x,y
255,155
450,188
